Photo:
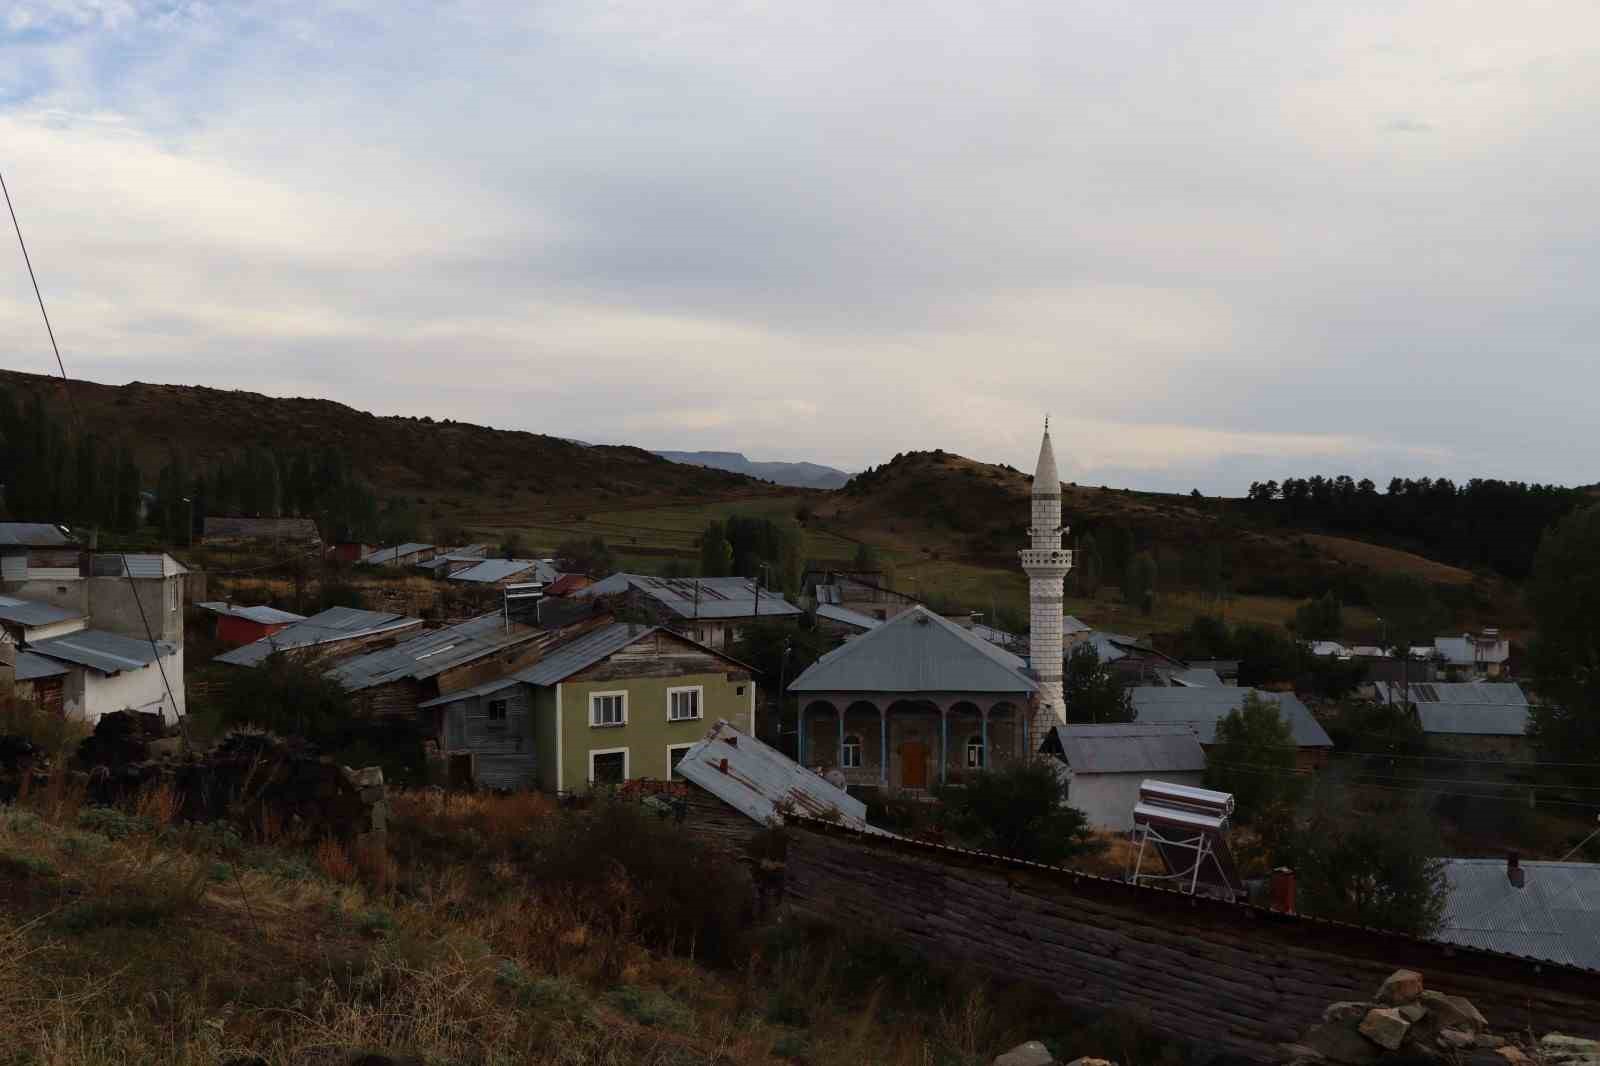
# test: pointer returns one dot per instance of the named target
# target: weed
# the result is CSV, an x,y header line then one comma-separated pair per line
x,y
85,915
220,871
791,1046
114,824
650,1006
25,867
376,923
334,860
562,996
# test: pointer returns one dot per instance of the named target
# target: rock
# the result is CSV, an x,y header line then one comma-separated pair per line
x,y
1413,1012
1337,1043
1303,1053
1455,1039
1489,1040
1345,1012
1563,1046
1087,1061
1454,1010
1513,1056
1384,1027
372,777
1402,986
1032,1053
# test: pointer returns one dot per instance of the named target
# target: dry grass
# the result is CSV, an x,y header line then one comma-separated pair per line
x,y
1383,560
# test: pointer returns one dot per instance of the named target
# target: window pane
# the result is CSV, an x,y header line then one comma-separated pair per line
x,y
610,769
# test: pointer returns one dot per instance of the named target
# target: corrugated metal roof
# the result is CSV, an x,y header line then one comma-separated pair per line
x,y
916,651
845,615
998,636
432,652
1466,650
109,653
260,613
763,783
336,623
1555,915
1194,677
583,653
33,535
1476,708
492,570
1204,707
1070,625
31,667
389,555
699,597
32,613
1130,747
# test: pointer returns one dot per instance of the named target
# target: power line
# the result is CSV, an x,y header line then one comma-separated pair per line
x,y
65,384
1414,790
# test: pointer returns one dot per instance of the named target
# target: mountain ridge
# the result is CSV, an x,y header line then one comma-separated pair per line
x,y
801,475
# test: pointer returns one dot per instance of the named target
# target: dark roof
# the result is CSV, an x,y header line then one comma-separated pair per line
x,y
1205,707
490,571
916,651
108,653
1555,915
336,623
432,652
1130,747
33,613
34,535
31,667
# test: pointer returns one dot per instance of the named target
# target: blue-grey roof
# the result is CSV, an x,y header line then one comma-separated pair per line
x,y
916,651
135,564
109,653
761,782
578,654
1475,708
389,555
31,667
492,570
698,597
1194,677
1555,915
432,652
260,613
1130,748
1205,707
846,616
33,613
336,623
33,535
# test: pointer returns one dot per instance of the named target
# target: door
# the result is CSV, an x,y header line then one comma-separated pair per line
x,y
913,764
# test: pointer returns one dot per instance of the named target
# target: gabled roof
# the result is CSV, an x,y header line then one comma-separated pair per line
x,y
1555,915
432,652
1205,707
916,651
389,555
33,613
1472,708
135,564
1129,748
34,535
334,624
698,597
108,653
1194,677
762,783
491,570
261,613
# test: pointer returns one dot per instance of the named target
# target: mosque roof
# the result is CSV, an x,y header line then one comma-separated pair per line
x,y
1045,473
916,651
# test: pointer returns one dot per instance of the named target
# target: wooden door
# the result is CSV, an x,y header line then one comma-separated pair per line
x,y
913,764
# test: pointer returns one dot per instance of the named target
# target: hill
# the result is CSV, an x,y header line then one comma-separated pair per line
x,y
797,475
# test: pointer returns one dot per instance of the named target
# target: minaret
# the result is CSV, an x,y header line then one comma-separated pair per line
x,y
1046,565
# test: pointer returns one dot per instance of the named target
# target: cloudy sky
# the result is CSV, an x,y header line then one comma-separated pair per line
x,y
1217,242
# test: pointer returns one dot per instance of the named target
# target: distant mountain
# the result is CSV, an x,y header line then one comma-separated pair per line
x,y
800,475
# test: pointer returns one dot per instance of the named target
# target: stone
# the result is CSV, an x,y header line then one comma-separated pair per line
x,y
1413,1012
1345,1012
1454,1038
1565,1046
1301,1053
1402,986
1513,1056
372,776
1454,1010
1032,1053
1087,1061
1489,1040
1384,1027
1336,1043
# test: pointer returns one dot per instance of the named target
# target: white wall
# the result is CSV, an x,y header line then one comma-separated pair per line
x,y
89,693
1107,799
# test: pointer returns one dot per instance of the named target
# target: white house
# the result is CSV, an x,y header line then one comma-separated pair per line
x,y
110,672
1105,764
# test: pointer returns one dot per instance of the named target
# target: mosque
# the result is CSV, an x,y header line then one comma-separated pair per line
x,y
919,700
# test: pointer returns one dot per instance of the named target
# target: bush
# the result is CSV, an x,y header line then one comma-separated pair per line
x,y
114,824
651,1006
1019,811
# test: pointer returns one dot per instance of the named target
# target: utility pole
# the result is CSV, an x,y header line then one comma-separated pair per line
x,y
783,679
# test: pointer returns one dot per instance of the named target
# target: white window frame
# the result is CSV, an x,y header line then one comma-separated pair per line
x,y
594,696
670,749
975,744
844,754
699,702
627,764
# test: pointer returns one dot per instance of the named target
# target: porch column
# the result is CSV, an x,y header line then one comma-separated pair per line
x,y
800,732
984,734
883,746
944,741
839,756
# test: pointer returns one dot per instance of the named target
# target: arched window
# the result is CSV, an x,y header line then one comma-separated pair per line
x,y
975,753
850,758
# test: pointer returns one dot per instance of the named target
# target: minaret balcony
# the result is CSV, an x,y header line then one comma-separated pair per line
x,y
1046,559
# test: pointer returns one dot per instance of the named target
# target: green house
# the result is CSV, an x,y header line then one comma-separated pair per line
x,y
621,703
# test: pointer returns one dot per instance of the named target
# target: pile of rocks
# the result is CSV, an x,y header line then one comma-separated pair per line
x,y
1404,1020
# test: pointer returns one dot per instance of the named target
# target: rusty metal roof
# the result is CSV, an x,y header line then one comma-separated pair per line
x,y
764,784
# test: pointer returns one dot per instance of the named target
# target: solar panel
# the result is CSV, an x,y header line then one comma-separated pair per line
x,y
1187,827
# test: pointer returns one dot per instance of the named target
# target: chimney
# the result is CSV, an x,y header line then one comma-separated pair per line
x,y
1280,891
1514,871
723,765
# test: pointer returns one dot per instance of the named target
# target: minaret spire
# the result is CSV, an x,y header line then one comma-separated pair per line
x,y
1046,564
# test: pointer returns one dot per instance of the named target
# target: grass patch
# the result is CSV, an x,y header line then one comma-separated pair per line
x,y
651,1006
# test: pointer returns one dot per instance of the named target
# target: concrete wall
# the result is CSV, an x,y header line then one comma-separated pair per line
x,y
88,693
1107,799
109,602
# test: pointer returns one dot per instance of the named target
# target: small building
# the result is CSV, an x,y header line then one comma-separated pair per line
x,y
408,554
710,610
454,561
1471,656
110,672
620,703
41,681
238,625
1467,718
39,549
1538,910
1105,764
497,573
1203,707
567,584
1193,677
843,622
293,531
1134,661
1226,669
350,551
335,632
913,701
26,621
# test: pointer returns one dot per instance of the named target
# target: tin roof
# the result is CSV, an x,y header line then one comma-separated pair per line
x,y
492,570
1472,708
389,555
135,564
762,783
108,653
432,652
1555,915
1204,707
31,667
1130,748
846,616
34,535
336,623
699,597
1467,650
260,613
916,651
1194,677
33,613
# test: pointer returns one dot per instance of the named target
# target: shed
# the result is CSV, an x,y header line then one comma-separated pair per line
x,y
338,630
1105,764
110,672
407,554
488,572
238,625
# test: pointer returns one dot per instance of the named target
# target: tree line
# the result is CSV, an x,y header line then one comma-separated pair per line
x,y
53,475
744,546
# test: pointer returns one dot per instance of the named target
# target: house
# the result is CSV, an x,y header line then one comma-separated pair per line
x,y
1074,630
335,632
1133,660
1471,656
497,573
408,554
101,671
1327,649
41,681
1193,677
620,703
1203,707
455,560
1539,910
244,625
350,551
738,786
911,701
1106,764
291,531
38,548
1469,718
567,584
862,591
710,610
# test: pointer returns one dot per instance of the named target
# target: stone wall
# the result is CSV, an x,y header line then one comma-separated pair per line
x,y
1221,974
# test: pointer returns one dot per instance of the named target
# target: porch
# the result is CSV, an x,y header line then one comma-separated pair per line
x,y
909,742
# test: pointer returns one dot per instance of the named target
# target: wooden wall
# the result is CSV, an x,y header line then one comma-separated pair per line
x,y
1221,974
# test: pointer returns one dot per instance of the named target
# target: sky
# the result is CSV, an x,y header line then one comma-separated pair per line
x,y
1216,242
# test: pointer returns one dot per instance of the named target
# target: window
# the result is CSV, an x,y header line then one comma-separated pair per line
x,y
739,691
608,767
975,753
683,704
608,708
675,754
850,758
497,710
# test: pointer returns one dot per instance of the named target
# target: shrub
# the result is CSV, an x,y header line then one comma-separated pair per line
x,y
651,1006
25,867
114,824
1019,811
